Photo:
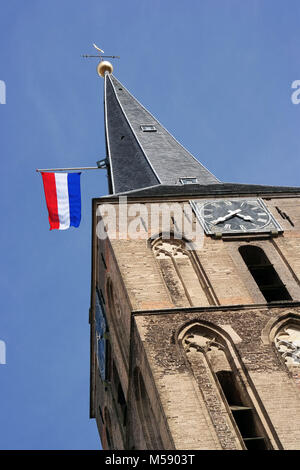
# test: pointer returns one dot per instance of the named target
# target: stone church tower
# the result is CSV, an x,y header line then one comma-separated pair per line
x,y
195,339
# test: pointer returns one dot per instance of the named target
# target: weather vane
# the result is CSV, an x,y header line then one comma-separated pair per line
x,y
104,65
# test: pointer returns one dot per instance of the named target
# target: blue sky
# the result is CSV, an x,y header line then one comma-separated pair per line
x,y
216,73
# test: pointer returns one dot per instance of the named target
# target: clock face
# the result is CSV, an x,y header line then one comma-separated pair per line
x,y
234,216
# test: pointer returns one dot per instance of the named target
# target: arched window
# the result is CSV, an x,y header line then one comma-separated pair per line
x,y
146,415
287,342
264,274
222,385
184,279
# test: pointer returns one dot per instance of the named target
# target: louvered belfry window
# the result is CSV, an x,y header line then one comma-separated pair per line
x,y
264,274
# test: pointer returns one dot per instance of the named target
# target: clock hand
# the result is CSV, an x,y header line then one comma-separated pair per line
x,y
230,214
245,217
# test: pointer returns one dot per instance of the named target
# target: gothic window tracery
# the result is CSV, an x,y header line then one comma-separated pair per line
x,y
287,342
207,344
166,248
186,285
223,389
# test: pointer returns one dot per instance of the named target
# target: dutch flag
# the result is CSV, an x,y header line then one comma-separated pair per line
x,y
62,192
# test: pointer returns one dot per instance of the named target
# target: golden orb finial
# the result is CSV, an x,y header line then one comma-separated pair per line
x,y
103,67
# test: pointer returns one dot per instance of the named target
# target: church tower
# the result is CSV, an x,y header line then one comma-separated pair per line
x,y
195,298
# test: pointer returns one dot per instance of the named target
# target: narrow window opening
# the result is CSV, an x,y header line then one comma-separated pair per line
x,y
229,389
108,361
108,435
122,403
264,274
243,415
101,295
119,395
101,415
103,261
108,438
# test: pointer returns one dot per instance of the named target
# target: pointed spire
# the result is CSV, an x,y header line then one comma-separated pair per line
x,y
141,151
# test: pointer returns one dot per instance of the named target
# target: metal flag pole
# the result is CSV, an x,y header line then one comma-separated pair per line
x,y
101,165
69,169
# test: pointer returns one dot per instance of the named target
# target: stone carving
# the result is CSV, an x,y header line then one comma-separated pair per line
x,y
287,342
201,343
166,248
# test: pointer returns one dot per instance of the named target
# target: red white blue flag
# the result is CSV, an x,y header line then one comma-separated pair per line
x,y
62,192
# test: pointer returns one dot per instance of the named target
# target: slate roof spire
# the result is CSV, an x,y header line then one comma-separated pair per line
x,y
141,152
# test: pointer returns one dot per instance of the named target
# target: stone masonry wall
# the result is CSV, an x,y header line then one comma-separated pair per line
x,y
272,388
149,344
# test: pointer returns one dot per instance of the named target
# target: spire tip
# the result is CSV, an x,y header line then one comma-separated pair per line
x,y
103,67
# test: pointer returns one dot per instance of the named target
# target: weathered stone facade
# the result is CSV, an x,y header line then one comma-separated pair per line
x,y
196,358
